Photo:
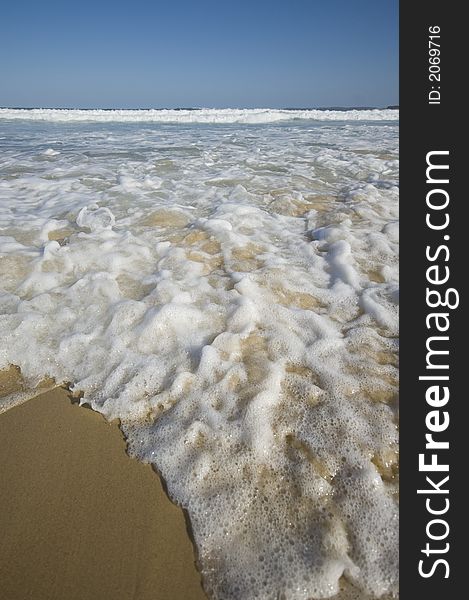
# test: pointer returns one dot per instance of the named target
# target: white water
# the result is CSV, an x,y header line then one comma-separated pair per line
x,y
203,115
230,293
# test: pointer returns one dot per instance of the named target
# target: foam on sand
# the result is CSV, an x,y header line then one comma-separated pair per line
x,y
231,294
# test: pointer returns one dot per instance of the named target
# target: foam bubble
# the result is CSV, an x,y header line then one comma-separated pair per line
x,y
95,218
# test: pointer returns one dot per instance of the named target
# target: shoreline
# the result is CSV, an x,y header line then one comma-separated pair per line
x,y
80,519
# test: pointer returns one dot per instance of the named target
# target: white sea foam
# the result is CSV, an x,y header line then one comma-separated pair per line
x,y
230,293
203,115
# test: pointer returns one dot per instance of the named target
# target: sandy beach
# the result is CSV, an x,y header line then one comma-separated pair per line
x,y
80,520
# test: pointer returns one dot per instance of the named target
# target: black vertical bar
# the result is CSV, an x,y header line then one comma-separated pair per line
x,y
427,127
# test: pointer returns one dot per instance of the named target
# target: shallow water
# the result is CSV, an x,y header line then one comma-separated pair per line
x,y
229,291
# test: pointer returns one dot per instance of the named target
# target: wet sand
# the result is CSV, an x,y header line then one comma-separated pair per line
x,y
79,519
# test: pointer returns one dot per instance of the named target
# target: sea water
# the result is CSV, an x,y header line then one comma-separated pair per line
x,y
226,284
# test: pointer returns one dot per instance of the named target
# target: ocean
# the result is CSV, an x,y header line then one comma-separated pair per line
x,y
224,282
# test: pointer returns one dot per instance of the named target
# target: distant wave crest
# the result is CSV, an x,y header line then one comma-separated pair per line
x,y
204,115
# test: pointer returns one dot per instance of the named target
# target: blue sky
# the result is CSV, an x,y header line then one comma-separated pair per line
x,y
154,53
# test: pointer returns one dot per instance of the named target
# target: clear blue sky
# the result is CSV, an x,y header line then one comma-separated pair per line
x,y
211,53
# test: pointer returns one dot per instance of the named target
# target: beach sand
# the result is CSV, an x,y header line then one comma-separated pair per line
x,y
79,519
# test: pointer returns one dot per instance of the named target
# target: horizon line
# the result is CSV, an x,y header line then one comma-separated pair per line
x,y
332,107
